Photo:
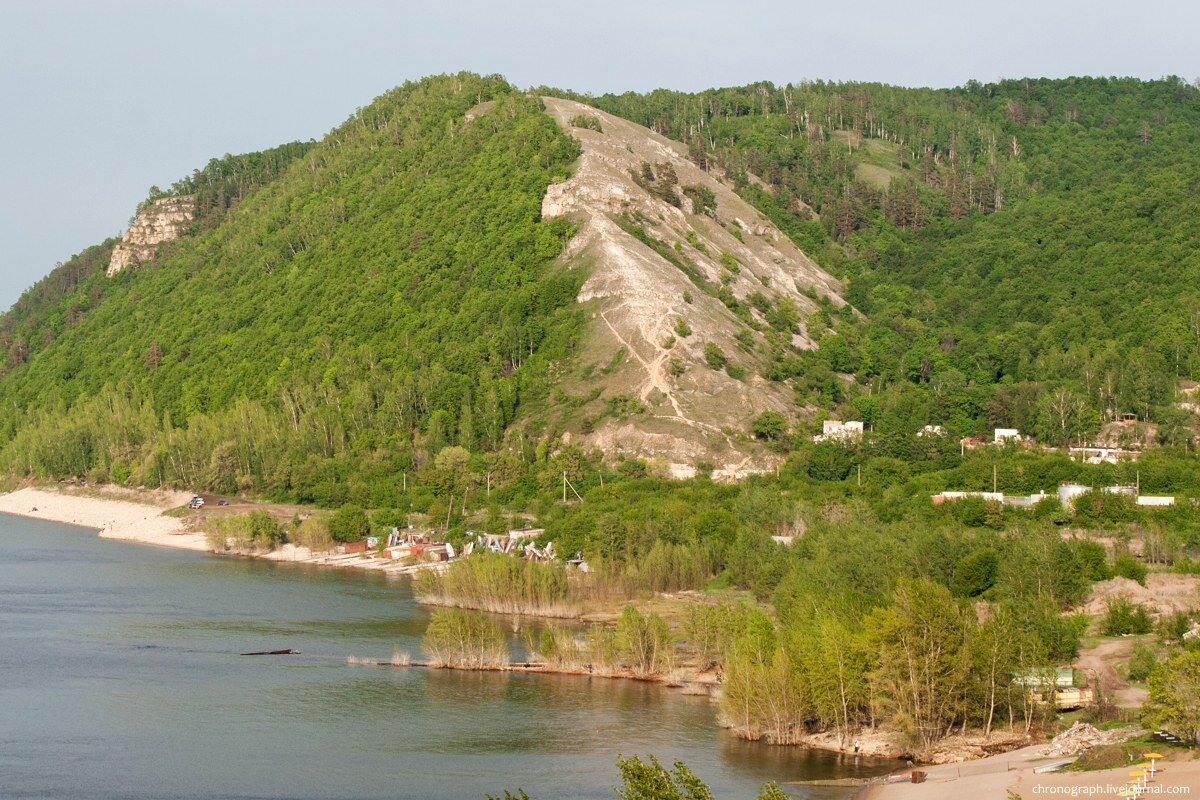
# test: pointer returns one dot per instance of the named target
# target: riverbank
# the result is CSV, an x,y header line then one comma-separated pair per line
x,y
135,516
159,517
1012,775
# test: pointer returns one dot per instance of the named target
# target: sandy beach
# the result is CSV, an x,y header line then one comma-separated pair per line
x,y
1011,774
135,516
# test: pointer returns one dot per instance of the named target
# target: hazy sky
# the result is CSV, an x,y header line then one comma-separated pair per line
x,y
99,100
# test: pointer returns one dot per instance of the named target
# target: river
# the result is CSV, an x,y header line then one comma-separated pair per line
x,y
120,678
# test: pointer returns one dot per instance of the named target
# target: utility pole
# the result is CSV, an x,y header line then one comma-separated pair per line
x,y
405,474
489,484
995,472
859,474
564,486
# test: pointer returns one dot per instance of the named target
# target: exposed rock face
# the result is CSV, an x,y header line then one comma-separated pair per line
x,y
637,295
161,221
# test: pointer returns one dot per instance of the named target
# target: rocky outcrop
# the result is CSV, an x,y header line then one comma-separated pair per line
x,y
654,261
162,220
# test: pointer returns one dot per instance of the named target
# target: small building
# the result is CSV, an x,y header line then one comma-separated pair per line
x,y
1067,492
1067,699
995,497
1155,500
1060,678
1005,435
835,430
526,533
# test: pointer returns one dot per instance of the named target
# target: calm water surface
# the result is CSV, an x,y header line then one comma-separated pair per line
x,y
119,678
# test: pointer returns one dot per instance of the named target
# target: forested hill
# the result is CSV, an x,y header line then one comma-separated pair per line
x,y
1007,240
393,281
340,312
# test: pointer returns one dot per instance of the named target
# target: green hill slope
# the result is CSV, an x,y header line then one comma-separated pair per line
x,y
394,282
341,311
1034,238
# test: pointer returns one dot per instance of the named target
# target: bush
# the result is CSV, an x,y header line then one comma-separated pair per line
x,y
499,583
588,121
1142,663
1172,627
464,639
1124,617
770,425
703,199
313,534
645,642
714,356
349,524
1093,557
1130,567
976,573
257,530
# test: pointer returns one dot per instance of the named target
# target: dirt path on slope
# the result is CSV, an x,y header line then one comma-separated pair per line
x,y
1100,664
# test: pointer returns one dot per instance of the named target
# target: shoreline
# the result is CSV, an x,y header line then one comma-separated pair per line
x,y
141,516
115,513
1012,775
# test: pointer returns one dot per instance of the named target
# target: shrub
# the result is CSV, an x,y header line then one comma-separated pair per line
x,y
645,642
1142,663
1093,557
349,524
714,356
556,646
498,583
588,121
1172,627
770,425
1130,567
710,630
464,639
1124,617
313,534
703,199
976,573
257,530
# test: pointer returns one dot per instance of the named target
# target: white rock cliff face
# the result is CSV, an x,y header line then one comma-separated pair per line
x,y
161,221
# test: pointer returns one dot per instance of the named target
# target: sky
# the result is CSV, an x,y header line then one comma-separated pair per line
x,y
101,100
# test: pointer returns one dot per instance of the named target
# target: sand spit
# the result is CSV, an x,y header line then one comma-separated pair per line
x,y
135,516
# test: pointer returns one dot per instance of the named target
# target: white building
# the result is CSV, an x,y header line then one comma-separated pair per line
x,y
835,430
1006,434
1067,492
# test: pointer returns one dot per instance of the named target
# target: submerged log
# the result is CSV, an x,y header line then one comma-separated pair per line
x,y
273,653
